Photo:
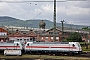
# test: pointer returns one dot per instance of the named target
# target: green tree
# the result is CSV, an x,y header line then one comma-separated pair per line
x,y
74,37
86,28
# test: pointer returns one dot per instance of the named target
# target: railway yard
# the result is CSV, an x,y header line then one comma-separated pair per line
x,y
83,56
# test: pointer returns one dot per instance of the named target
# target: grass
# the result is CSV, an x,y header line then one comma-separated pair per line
x,y
47,57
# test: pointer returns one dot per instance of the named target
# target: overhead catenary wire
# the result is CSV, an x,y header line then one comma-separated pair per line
x,y
38,1
42,11
27,1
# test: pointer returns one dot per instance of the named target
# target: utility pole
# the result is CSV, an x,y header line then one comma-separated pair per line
x,y
54,36
62,29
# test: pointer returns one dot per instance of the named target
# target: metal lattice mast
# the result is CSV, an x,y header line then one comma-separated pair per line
x,y
62,29
54,20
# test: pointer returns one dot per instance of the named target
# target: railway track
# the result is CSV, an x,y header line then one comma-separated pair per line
x,y
84,54
28,59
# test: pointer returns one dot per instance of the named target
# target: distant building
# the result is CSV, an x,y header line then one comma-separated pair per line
x,y
39,34
88,38
42,24
3,35
22,37
47,36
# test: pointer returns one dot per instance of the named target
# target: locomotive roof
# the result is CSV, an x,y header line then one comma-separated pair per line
x,y
6,43
51,42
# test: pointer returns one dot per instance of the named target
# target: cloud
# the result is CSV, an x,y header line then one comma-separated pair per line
x,y
73,12
4,7
83,4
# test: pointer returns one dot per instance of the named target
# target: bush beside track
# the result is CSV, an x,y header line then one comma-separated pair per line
x,y
84,47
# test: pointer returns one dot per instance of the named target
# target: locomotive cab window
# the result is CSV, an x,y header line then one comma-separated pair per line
x,y
73,45
17,44
28,44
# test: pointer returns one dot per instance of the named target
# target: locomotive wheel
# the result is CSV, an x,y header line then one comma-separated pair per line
x,y
71,53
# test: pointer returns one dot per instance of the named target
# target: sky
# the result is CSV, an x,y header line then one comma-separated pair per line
x,y
72,12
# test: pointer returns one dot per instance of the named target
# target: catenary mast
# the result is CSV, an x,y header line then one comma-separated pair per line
x,y
54,36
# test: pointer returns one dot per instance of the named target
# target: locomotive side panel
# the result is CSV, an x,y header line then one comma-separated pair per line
x,y
57,47
53,47
47,47
4,46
